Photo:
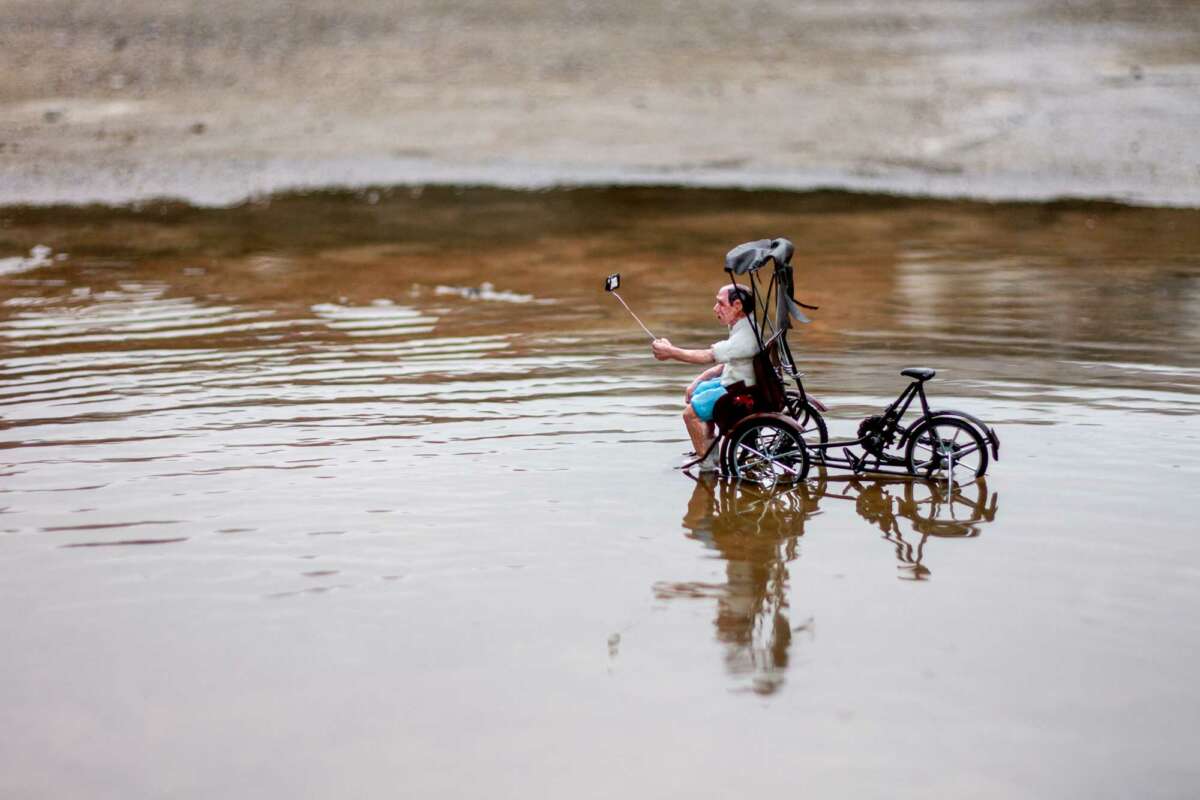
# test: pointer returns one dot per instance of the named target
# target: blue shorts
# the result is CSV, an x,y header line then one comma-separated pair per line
x,y
705,397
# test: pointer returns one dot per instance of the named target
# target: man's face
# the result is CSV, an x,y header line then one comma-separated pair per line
x,y
728,314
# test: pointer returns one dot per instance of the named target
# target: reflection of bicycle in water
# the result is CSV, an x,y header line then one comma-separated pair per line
x,y
755,531
933,509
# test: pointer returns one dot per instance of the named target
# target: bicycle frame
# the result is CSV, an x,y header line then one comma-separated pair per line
x,y
884,464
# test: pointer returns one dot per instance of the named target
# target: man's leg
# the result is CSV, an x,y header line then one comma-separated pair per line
x,y
699,430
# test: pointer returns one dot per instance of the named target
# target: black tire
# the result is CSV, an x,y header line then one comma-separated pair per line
x,y
946,449
767,449
812,424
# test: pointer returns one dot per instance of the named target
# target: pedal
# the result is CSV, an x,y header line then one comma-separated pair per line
x,y
857,464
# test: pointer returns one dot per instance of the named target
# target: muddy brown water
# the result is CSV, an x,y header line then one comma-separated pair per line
x,y
374,493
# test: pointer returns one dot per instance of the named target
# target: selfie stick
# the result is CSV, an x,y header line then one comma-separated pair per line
x,y
610,286
635,316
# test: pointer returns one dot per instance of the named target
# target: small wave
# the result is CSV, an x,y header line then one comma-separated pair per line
x,y
39,256
129,542
487,291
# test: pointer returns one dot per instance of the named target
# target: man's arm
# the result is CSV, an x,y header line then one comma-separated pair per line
x,y
665,351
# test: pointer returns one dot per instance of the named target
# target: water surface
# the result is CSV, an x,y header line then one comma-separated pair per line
x,y
356,494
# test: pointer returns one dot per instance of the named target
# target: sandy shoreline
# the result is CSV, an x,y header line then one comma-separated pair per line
x,y
115,103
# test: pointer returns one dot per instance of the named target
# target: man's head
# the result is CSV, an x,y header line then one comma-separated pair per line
x,y
733,303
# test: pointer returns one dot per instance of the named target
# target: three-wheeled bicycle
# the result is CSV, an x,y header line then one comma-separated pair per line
x,y
774,432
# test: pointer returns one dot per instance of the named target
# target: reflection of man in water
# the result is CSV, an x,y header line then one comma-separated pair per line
x,y
755,532
732,360
755,535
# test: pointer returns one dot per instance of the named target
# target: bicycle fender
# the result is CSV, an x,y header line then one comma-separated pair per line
x,y
986,431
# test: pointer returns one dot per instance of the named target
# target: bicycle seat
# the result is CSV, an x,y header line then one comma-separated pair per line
x,y
920,373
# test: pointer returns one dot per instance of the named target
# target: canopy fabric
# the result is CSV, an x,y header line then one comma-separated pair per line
x,y
749,257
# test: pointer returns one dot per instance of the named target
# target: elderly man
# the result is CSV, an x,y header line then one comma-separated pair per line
x,y
732,360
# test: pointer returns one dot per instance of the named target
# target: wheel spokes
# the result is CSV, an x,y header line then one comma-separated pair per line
x,y
761,458
768,455
950,450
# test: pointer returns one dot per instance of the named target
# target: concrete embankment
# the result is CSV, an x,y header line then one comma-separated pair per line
x,y
213,102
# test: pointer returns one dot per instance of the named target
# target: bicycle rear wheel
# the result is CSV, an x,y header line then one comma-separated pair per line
x,y
811,423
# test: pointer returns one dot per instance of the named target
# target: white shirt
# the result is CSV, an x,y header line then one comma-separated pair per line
x,y
737,353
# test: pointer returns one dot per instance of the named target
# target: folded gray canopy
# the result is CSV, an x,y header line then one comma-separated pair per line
x,y
748,258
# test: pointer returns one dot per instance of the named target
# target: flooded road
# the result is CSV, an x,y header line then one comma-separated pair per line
x,y
374,493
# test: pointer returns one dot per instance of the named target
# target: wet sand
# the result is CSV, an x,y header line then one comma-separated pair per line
x,y
293,504
215,102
